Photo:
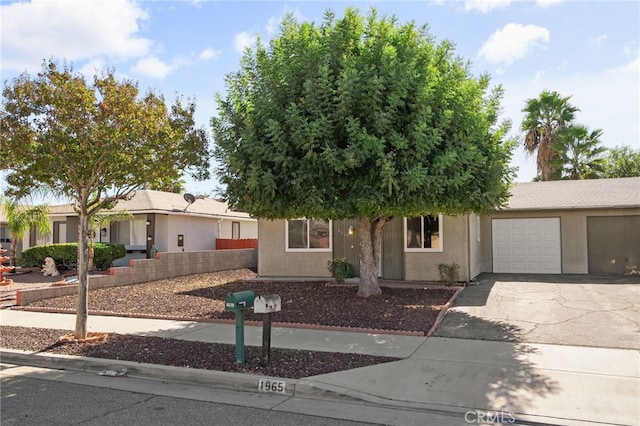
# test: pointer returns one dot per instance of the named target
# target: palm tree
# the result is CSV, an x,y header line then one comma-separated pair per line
x,y
20,219
544,117
579,154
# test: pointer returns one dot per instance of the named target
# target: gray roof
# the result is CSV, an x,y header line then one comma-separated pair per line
x,y
576,194
148,201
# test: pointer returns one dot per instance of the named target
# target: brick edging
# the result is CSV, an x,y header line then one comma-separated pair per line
x,y
443,312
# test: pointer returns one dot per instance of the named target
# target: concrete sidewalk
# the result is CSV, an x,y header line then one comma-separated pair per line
x,y
476,379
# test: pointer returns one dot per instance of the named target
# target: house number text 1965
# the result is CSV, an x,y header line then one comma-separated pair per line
x,y
269,385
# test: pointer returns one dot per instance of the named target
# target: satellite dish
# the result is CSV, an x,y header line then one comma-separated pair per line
x,y
189,198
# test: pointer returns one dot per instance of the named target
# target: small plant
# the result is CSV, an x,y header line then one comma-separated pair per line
x,y
449,273
340,269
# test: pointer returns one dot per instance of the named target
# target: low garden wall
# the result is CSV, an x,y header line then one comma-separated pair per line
x,y
164,266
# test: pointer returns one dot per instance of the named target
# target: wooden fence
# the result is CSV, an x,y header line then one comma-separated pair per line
x,y
229,244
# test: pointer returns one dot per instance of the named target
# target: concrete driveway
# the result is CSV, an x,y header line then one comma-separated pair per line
x,y
576,310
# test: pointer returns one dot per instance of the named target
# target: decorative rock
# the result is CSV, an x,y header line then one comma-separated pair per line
x,y
92,337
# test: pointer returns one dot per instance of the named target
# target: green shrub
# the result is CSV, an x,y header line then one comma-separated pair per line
x,y
449,273
104,254
340,269
66,255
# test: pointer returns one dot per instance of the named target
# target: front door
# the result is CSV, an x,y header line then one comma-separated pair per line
x,y
393,250
345,243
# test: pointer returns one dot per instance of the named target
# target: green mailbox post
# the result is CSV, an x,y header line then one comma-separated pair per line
x,y
237,303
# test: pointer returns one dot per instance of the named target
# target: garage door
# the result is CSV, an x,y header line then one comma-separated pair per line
x,y
613,244
527,245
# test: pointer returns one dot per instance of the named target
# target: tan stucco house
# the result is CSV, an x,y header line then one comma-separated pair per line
x,y
163,220
559,227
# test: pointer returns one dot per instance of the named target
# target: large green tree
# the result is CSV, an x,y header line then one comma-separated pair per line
x,y
622,161
544,117
579,153
94,143
359,117
21,218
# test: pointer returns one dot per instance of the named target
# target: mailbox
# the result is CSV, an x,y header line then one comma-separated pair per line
x,y
239,301
267,304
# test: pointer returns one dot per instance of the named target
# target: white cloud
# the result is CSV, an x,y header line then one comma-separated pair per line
x,y
547,3
630,53
152,67
539,76
208,53
631,68
272,25
485,6
512,42
243,40
94,67
599,40
74,30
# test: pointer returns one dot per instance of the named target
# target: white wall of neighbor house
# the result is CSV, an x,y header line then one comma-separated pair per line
x,y
194,233
573,232
161,238
248,228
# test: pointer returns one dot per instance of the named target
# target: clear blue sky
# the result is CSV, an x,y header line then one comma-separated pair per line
x,y
589,50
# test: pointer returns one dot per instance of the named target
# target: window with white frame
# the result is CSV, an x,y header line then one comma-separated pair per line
x,y
308,234
423,233
235,230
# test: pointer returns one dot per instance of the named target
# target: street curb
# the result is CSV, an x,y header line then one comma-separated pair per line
x,y
305,387
222,379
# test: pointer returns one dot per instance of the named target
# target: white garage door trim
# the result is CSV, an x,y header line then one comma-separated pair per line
x,y
531,246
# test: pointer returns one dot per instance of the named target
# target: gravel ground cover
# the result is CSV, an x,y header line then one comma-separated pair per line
x,y
286,363
201,297
320,303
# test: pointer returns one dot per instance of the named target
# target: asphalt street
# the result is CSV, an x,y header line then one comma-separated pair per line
x,y
37,396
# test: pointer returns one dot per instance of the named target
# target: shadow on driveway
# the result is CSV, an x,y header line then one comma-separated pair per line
x,y
577,310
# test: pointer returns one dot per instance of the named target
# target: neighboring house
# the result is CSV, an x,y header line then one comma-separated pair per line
x,y
568,227
161,220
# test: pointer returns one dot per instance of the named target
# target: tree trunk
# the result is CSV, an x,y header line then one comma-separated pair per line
x,y
370,241
83,275
91,261
12,251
